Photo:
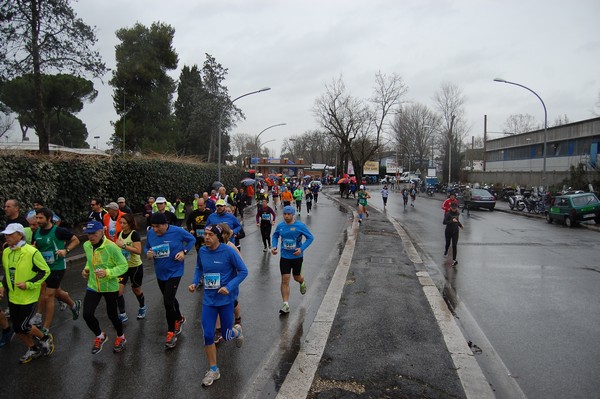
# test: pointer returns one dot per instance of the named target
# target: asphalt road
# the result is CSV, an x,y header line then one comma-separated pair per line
x,y
525,292
146,369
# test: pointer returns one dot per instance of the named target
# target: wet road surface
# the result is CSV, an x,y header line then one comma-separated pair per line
x,y
146,369
523,289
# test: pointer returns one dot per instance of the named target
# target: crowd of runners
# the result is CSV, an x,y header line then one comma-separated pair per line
x,y
35,249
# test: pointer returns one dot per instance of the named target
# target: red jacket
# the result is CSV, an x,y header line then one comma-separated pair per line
x,y
446,204
118,228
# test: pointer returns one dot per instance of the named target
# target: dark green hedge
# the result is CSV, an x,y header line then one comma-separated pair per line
x,y
67,184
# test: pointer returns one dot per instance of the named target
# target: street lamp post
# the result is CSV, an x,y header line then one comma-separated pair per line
x,y
220,123
262,131
545,123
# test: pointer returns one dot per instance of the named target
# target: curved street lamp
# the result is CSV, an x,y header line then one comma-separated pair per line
x,y
261,132
545,122
229,104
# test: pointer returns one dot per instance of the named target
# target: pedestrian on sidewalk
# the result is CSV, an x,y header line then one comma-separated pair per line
x,y
167,245
452,228
104,264
291,232
384,195
24,272
223,270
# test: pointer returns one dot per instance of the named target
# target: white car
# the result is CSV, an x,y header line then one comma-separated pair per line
x,y
407,177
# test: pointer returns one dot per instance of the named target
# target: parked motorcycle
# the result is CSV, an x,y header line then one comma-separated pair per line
x,y
516,201
430,190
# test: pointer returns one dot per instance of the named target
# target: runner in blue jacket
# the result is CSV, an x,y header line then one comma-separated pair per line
x,y
168,245
291,232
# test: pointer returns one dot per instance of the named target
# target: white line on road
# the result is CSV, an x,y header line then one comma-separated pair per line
x,y
300,378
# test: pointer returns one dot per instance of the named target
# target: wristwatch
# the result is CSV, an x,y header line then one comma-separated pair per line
x,y
185,251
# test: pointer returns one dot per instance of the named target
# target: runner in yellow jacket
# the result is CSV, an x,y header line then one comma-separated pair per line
x,y
24,272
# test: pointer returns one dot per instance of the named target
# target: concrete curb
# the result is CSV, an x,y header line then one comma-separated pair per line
x,y
299,380
471,377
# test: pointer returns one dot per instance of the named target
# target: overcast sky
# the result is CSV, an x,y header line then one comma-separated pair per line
x,y
296,47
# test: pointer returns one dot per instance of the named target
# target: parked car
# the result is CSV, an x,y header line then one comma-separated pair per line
x,y
407,177
388,180
574,208
480,198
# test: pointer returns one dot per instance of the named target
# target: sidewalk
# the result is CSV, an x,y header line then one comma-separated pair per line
x,y
392,335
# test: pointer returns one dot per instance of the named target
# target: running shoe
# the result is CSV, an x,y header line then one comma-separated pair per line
x,y
32,353
265,249
239,340
44,330
285,308
171,340
367,214
179,325
454,262
119,344
123,317
47,344
218,337
62,305
142,312
210,377
36,320
98,344
76,309
6,337
303,288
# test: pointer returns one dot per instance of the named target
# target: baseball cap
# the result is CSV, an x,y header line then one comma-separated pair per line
x,y
158,218
289,209
221,202
196,195
161,200
93,227
121,199
362,187
14,228
113,205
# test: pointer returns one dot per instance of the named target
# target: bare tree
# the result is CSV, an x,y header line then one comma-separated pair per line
x,y
561,120
413,133
519,123
349,119
450,102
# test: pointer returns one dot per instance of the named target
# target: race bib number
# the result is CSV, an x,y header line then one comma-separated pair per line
x,y
266,216
212,281
161,251
126,254
200,233
289,244
48,257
